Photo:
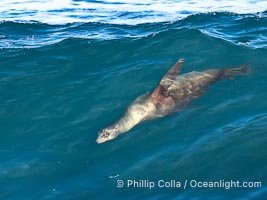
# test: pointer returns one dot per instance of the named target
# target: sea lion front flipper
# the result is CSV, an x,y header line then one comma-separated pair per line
x,y
161,92
174,70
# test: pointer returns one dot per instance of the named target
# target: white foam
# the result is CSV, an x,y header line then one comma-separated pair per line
x,y
119,11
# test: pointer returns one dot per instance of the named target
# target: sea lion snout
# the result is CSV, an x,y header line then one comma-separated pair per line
x,y
105,135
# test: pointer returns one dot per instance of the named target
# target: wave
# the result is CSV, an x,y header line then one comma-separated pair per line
x,y
240,29
119,11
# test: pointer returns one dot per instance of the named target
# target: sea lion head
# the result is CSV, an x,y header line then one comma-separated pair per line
x,y
107,134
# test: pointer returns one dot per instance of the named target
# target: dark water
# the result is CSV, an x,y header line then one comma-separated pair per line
x,y
61,84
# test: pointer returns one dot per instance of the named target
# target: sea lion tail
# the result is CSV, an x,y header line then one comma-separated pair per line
x,y
230,73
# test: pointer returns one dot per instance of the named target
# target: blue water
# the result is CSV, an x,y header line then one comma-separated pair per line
x,y
62,82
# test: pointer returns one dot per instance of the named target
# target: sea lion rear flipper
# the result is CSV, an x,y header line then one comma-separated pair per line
x,y
174,70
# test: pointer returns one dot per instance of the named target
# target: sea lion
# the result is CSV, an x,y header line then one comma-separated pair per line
x,y
171,95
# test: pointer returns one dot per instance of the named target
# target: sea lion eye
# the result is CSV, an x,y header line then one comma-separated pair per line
x,y
106,134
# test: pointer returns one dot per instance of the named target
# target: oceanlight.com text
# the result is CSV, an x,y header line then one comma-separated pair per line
x,y
132,183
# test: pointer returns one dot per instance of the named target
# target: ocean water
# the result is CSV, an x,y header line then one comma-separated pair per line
x,y
70,68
